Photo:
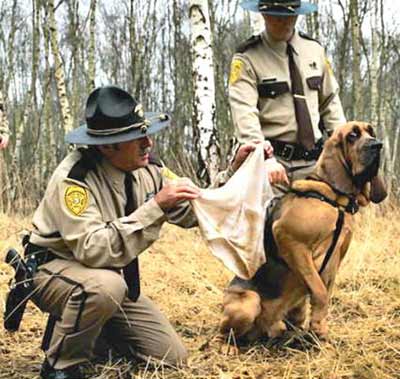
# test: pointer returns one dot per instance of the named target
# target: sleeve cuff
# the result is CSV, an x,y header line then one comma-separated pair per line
x,y
147,214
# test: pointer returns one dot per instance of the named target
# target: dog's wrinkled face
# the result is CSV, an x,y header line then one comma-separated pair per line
x,y
361,151
350,160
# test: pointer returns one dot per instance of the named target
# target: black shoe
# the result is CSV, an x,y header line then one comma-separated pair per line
x,y
73,372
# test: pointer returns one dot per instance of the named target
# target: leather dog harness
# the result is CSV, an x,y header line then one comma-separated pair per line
x,y
351,207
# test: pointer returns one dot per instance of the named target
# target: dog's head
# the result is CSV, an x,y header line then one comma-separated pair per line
x,y
350,162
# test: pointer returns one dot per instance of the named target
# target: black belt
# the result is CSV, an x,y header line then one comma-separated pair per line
x,y
293,152
39,254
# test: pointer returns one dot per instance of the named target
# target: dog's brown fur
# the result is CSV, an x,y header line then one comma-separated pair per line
x,y
303,230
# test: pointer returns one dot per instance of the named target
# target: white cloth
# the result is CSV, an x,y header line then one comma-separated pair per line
x,y
231,218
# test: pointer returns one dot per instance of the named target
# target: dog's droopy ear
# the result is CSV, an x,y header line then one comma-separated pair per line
x,y
378,190
374,191
331,167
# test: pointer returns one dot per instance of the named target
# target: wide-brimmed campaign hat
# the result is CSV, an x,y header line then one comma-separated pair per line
x,y
114,116
279,7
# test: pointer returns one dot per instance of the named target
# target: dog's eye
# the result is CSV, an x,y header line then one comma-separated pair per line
x,y
353,136
371,131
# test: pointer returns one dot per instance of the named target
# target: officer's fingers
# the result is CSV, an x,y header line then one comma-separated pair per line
x,y
246,149
272,176
186,195
268,152
285,178
187,189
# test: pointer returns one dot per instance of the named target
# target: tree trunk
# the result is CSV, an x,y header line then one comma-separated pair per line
x,y
374,117
257,23
355,40
59,71
3,129
92,47
204,97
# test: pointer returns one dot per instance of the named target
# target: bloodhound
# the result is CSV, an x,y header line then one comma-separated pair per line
x,y
306,239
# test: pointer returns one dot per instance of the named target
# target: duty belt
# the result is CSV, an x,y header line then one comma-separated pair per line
x,y
40,255
293,152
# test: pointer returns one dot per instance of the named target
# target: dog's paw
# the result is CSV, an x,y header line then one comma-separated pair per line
x,y
277,329
320,329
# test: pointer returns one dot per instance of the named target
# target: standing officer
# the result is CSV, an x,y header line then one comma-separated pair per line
x,y
282,88
104,205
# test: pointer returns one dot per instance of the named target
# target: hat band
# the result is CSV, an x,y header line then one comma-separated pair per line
x,y
288,5
142,125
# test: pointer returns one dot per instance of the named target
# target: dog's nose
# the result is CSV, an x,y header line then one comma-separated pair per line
x,y
375,144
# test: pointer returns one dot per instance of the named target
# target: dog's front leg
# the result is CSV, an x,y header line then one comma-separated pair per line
x,y
299,259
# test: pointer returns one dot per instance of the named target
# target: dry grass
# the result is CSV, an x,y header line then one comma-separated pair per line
x,y
187,282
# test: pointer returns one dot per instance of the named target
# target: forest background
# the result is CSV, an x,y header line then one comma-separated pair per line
x,y
53,53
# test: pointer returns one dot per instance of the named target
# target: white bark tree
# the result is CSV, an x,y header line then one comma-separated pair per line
x,y
257,23
204,96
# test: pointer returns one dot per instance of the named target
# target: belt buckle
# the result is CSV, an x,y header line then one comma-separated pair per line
x,y
287,152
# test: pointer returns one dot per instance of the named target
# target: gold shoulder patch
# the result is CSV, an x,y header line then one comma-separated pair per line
x,y
168,174
236,70
328,66
76,199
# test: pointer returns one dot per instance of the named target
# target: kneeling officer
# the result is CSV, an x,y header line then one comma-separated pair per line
x,y
103,206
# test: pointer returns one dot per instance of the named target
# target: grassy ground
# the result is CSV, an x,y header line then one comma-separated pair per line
x,y
187,283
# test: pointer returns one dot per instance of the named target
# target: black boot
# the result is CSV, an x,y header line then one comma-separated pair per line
x,y
73,372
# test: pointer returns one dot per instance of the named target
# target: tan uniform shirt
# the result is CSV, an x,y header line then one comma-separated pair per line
x,y
272,114
85,221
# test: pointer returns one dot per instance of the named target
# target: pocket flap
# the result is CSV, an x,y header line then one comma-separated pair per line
x,y
272,89
314,82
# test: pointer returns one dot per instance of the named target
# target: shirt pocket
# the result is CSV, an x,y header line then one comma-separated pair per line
x,y
272,89
314,82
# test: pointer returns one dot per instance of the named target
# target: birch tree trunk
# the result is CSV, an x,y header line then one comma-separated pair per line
x,y
92,47
59,70
204,97
3,128
374,63
355,40
34,104
50,155
312,22
257,23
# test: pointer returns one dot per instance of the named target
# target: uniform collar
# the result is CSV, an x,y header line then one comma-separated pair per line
x,y
115,175
280,46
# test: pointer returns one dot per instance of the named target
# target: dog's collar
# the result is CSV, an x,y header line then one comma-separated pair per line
x,y
324,192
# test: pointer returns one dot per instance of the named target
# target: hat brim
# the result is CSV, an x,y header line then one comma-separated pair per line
x,y
305,8
80,136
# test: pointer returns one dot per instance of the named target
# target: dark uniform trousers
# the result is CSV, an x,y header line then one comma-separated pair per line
x,y
88,302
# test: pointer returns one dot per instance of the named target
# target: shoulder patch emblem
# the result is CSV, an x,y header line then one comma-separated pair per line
x,y
168,174
76,199
236,70
328,66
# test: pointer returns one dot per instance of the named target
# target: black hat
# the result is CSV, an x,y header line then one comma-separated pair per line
x,y
113,116
279,7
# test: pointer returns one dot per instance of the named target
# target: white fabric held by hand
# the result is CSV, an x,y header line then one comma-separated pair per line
x,y
231,218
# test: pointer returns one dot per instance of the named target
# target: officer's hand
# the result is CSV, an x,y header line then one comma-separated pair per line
x,y
247,148
276,172
4,141
176,191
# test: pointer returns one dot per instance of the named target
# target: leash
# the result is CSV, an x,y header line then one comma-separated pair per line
x,y
352,208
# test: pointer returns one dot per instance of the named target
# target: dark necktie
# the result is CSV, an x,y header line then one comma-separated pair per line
x,y
305,133
131,271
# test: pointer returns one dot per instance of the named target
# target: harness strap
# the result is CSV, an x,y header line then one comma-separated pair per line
x,y
352,208
336,234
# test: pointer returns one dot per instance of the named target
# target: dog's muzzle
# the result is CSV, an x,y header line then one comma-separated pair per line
x,y
371,153
370,159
